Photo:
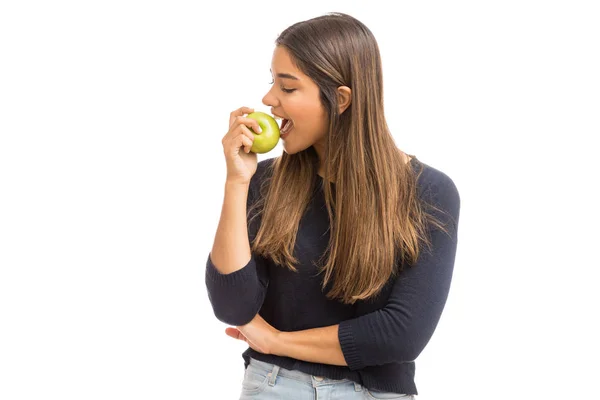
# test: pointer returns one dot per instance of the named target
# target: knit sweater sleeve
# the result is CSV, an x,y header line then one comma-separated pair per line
x,y
238,296
399,331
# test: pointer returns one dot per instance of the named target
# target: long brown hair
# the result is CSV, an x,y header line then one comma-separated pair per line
x,y
375,212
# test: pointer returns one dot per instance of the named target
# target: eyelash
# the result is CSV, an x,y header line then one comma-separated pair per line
x,y
285,90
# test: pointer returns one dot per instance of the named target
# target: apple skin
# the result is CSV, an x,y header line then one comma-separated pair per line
x,y
269,137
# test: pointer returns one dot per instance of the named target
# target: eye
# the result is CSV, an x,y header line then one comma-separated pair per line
x,y
282,88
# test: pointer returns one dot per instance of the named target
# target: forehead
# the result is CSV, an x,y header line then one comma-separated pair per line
x,y
282,63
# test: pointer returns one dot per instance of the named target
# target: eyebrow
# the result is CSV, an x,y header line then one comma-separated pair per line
x,y
285,76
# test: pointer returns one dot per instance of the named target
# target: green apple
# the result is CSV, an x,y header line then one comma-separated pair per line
x,y
268,138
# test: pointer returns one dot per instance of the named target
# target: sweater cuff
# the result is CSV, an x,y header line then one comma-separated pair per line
x,y
239,277
348,344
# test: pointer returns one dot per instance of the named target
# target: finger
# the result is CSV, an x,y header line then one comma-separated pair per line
x,y
248,122
243,129
246,143
252,123
238,113
246,132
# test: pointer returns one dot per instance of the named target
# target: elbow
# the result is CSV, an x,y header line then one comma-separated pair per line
x,y
234,318
405,335
408,344
235,308
404,353
236,297
235,315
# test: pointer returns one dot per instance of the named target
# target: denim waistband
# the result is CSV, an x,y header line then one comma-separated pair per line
x,y
297,375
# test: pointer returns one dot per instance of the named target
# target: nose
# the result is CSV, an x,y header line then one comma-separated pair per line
x,y
269,99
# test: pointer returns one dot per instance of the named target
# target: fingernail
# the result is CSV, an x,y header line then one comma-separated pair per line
x,y
258,130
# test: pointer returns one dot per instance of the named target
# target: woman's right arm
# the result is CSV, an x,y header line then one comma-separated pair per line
x,y
236,280
231,248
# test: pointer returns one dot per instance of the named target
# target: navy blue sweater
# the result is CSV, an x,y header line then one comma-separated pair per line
x,y
380,338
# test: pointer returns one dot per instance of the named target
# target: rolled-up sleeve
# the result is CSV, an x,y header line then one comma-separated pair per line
x,y
400,330
237,297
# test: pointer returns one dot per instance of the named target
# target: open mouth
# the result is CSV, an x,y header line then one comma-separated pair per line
x,y
286,127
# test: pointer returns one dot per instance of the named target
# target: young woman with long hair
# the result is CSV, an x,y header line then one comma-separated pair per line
x,y
333,260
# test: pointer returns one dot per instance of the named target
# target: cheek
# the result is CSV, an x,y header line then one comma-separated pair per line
x,y
313,118
320,124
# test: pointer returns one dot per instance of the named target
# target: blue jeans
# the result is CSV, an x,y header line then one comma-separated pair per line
x,y
267,381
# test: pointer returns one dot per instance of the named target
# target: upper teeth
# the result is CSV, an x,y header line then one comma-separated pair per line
x,y
287,126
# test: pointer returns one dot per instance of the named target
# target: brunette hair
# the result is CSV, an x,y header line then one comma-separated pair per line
x,y
377,219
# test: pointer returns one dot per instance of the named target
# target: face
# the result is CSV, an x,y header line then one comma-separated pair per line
x,y
295,97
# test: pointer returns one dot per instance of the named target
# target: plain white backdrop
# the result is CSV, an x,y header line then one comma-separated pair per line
x,y
112,173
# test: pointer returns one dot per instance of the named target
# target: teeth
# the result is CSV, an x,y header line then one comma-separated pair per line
x,y
287,127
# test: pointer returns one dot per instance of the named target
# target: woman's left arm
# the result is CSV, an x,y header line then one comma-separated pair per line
x,y
317,345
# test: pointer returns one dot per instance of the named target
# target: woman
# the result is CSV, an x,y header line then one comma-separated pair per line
x,y
333,260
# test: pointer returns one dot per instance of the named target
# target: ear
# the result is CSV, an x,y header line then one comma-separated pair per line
x,y
344,98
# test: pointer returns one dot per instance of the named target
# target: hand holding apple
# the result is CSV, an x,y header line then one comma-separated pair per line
x,y
268,139
241,165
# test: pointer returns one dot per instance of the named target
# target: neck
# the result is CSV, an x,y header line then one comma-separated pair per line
x,y
320,150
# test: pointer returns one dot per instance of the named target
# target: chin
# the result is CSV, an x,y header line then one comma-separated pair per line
x,y
289,149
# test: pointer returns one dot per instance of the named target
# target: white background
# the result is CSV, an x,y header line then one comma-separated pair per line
x,y
112,174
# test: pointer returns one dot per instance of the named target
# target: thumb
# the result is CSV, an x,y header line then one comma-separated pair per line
x,y
234,333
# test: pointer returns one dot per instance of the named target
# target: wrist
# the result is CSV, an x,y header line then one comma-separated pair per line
x,y
278,344
230,184
237,180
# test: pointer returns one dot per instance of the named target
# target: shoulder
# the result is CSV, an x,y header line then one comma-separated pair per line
x,y
435,185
